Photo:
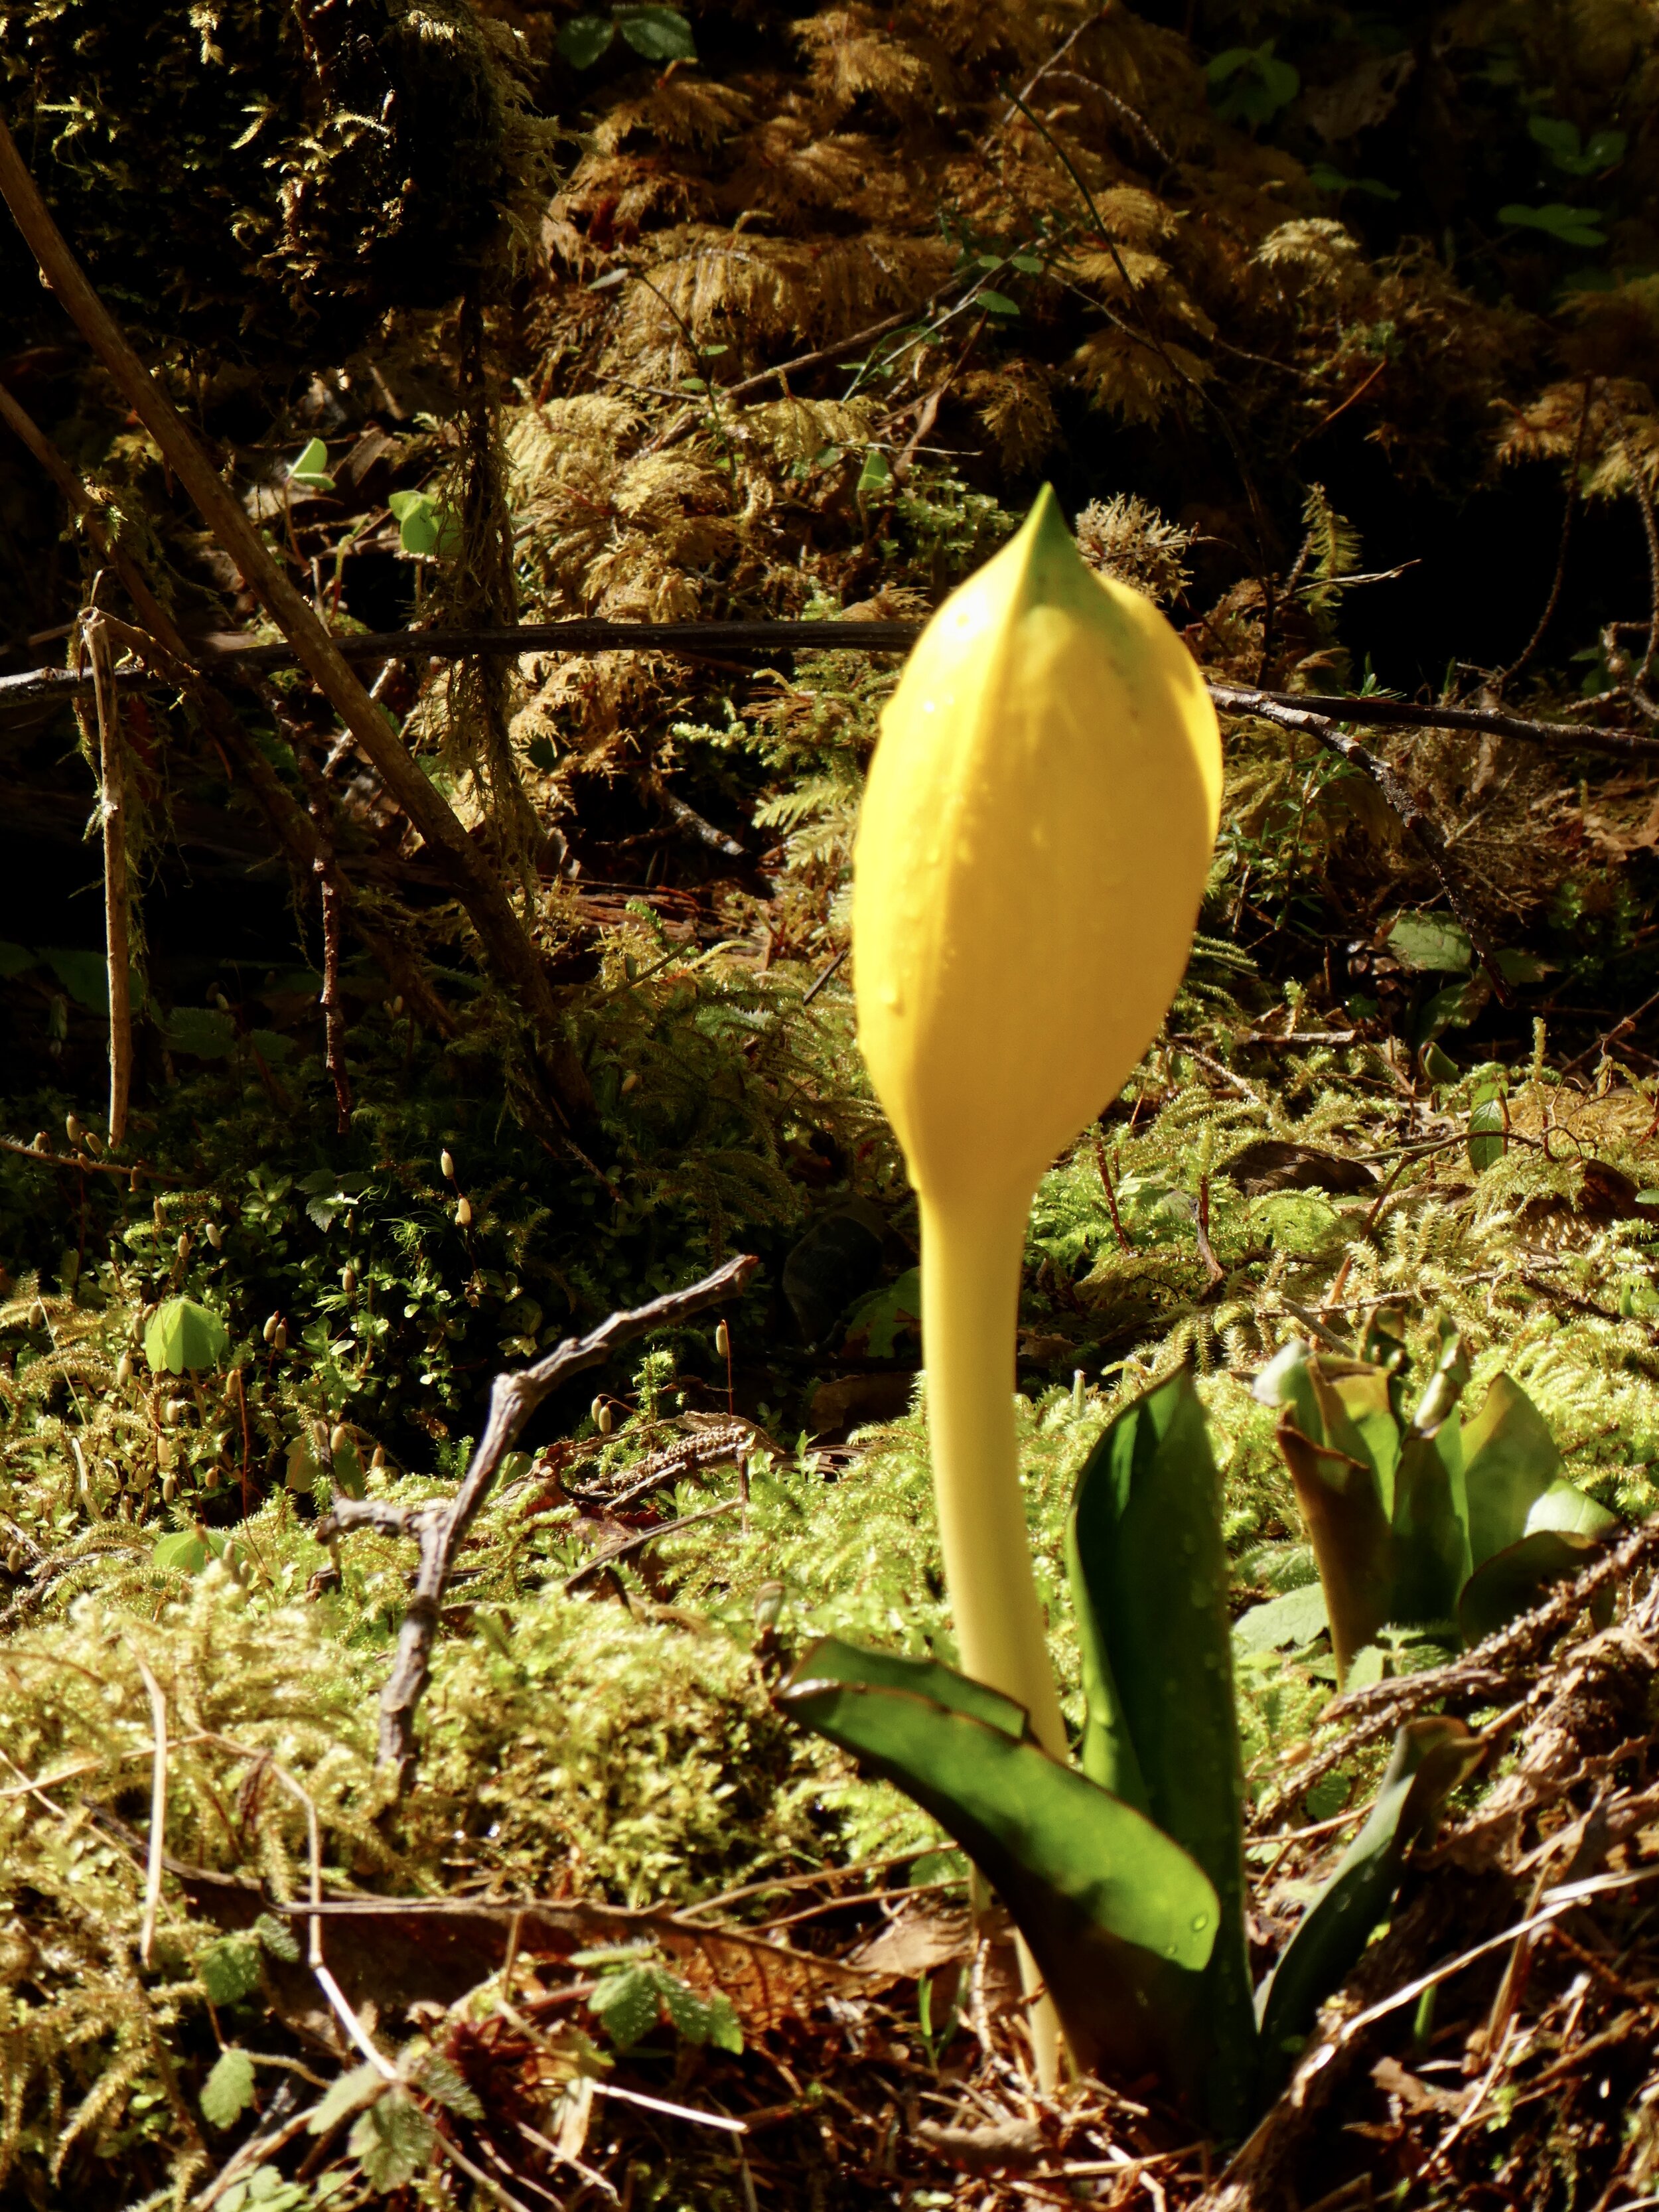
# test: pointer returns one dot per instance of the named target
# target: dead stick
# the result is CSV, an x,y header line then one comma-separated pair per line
x,y
500,931
441,1531
111,778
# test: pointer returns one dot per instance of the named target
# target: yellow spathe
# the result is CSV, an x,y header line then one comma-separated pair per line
x,y
1035,837
1034,842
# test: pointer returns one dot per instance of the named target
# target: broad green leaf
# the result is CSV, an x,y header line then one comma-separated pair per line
x,y
1431,1527
1486,1138
228,2090
184,1337
1510,1460
15,960
1325,179
661,35
1515,1578
1352,1540
1429,944
1454,1008
230,1969
1149,1575
1431,1757
1571,226
423,525
202,1031
831,1664
393,2141
877,473
348,2093
583,39
878,1320
1283,1622
1120,1919
996,303
628,2003
84,976
184,1552
310,472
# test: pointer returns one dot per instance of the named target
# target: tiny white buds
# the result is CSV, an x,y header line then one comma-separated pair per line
x,y
446,1163
184,1244
723,1341
95,1142
602,1416
71,1123
630,1081
339,1437
464,1212
123,1370
215,1236
349,1279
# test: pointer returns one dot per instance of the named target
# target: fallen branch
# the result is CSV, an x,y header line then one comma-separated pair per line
x,y
229,658
502,933
441,1530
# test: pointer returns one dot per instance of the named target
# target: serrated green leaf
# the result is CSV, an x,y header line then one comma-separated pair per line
x,y
393,2141
202,1031
1283,1622
230,1969
583,39
346,2094
1429,944
437,2077
660,34
184,1338
627,2003
278,1937
228,2090
996,303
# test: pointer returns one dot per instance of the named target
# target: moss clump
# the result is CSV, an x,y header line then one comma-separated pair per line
x,y
300,170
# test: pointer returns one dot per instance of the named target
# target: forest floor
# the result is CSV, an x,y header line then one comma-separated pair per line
x,y
792,328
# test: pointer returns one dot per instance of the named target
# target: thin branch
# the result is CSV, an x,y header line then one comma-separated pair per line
x,y
485,896
627,1548
1568,514
1420,826
158,1811
442,1530
111,779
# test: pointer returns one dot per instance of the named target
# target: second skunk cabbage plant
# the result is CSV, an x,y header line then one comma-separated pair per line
x,y
1124,1872
1422,1519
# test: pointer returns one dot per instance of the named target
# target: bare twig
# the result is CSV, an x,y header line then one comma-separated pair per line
x,y
111,780
625,1550
442,1530
485,896
1569,512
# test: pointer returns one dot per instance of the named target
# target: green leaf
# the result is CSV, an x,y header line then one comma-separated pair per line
x,y
272,1046
996,303
230,1969
878,1321
278,1937
1120,1919
1511,1465
348,2094
184,1337
184,1552
1343,1509
202,1031
15,960
1488,1136
1325,179
1431,1757
1454,1008
1294,1620
875,474
1429,944
583,39
439,2078
1571,226
228,2090
660,34
310,472
84,976
1149,1573
393,2141
699,2019
425,526
628,2003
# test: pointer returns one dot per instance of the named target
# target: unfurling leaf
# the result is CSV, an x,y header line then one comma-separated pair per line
x,y
184,1337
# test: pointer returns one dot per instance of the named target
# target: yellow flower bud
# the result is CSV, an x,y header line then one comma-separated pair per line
x,y
1033,846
